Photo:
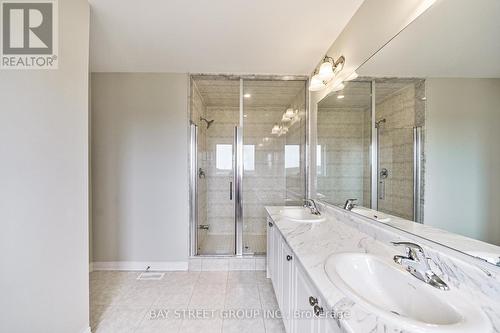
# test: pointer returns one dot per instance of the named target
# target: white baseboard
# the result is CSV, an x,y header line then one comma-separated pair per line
x,y
86,330
139,265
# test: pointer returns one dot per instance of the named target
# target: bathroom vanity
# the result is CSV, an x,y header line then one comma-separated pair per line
x,y
337,274
301,304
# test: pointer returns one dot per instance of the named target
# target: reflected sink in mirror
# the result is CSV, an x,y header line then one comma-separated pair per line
x,y
301,215
372,214
383,288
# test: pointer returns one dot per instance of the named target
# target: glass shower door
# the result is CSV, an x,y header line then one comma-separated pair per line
x,y
273,161
215,111
396,171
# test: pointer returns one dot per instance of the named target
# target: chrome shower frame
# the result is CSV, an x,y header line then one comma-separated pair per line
x,y
237,159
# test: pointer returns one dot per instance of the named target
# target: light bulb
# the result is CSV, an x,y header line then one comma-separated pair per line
x,y
326,71
316,83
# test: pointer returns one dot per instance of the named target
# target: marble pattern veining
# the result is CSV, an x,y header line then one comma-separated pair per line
x,y
343,231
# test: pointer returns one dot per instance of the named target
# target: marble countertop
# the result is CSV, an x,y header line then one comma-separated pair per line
x,y
313,243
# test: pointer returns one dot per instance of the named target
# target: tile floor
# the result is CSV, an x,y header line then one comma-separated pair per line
x,y
119,303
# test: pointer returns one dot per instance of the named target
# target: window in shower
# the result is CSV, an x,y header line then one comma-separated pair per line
x,y
249,157
292,157
224,157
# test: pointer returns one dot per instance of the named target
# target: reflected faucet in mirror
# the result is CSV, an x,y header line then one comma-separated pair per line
x,y
350,204
416,263
311,204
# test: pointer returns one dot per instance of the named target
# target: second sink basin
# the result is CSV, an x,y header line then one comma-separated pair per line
x,y
386,290
301,215
373,214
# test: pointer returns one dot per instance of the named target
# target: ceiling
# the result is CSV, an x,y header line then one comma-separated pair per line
x,y
217,36
454,38
221,92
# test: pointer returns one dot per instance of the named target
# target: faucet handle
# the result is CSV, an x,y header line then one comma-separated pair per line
x,y
413,251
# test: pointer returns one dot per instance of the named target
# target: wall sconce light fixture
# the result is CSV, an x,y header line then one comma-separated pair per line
x,y
328,69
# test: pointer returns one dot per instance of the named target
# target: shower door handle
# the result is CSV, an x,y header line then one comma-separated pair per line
x,y
230,190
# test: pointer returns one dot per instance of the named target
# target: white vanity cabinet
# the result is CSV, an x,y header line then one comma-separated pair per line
x,y
298,299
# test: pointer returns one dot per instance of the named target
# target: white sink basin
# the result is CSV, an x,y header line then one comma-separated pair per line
x,y
301,215
370,213
383,288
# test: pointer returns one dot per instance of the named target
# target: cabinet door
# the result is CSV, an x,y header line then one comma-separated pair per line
x,y
287,285
277,266
270,253
303,315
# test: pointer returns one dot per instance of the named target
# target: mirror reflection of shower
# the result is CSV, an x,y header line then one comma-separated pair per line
x,y
209,122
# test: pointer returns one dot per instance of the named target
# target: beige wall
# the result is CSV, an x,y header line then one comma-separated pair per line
x,y
44,187
140,168
463,157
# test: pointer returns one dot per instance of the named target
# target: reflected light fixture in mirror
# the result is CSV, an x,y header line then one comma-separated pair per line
x,y
247,95
276,129
289,113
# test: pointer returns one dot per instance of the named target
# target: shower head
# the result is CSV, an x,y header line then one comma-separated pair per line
x,y
209,122
378,123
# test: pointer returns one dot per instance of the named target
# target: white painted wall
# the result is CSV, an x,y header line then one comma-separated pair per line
x,y
140,169
44,188
463,157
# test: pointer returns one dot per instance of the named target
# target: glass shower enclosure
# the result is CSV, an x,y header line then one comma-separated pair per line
x,y
247,151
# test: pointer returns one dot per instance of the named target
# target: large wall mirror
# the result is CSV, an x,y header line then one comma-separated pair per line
x,y
416,137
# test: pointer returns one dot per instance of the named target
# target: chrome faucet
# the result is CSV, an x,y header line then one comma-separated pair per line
x,y
350,204
311,204
416,263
